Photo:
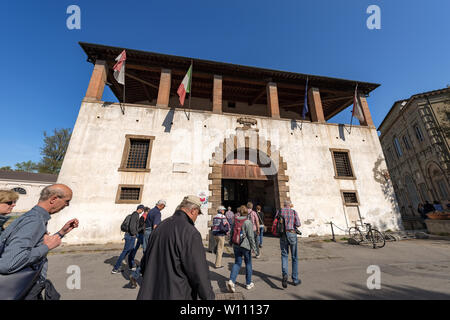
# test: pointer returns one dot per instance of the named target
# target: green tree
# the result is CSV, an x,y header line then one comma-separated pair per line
x,y
6,168
54,150
27,166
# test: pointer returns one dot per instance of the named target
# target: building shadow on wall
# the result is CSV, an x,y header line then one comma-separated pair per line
x,y
387,292
168,121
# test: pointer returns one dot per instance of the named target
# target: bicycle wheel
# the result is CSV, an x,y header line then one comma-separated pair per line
x,y
355,234
378,239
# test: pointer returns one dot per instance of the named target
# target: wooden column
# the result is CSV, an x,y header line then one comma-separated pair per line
x,y
366,112
217,94
97,83
315,105
273,107
164,88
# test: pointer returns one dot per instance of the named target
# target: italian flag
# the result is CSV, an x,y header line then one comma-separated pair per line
x,y
185,86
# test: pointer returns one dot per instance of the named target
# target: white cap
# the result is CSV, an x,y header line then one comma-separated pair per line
x,y
161,202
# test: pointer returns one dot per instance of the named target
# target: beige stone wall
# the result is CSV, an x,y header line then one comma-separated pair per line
x,y
422,160
180,165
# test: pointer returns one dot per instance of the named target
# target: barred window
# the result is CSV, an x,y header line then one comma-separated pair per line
x,y
136,153
137,157
350,197
342,164
129,194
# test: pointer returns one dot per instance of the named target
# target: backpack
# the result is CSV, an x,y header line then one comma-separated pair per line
x,y
125,226
238,232
219,226
278,228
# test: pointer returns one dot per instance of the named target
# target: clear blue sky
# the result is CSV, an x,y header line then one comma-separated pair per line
x,y
45,73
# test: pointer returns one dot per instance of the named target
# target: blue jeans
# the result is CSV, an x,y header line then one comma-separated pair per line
x,y
261,233
140,240
247,254
286,242
147,233
127,249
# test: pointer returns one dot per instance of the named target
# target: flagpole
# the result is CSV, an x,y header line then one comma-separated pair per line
x,y
353,110
190,89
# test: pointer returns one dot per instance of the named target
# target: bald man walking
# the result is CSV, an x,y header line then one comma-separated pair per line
x,y
27,242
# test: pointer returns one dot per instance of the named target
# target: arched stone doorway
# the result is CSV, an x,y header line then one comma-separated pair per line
x,y
439,182
247,163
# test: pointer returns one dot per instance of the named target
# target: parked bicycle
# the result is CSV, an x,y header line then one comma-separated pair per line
x,y
369,235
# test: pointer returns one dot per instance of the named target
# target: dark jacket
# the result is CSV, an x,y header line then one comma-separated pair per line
x,y
141,225
134,223
174,265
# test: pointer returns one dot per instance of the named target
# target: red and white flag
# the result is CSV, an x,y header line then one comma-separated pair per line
x,y
185,86
119,68
357,111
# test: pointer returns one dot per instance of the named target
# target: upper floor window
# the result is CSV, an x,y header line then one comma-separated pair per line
x,y
418,132
342,164
136,154
398,148
406,142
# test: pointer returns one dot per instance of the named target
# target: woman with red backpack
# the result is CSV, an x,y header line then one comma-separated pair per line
x,y
243,241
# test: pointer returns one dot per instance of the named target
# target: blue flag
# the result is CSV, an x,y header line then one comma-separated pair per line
x,y
305,106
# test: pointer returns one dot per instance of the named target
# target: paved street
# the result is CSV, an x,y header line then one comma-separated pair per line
x,y
410,269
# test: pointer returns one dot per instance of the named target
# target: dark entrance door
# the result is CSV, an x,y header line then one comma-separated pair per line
x,y
237,192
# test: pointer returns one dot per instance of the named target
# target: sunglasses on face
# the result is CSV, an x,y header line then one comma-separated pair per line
x,y
10,203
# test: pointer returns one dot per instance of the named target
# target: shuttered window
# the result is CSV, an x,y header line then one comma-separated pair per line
x,y
342,164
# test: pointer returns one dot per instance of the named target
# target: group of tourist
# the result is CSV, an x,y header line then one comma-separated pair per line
x,y
173,265
245,231
138,227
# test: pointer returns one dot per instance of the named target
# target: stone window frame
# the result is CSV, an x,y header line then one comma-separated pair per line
x,y
353,177
350,204
418,131
119,189
126,152
397,147
406,142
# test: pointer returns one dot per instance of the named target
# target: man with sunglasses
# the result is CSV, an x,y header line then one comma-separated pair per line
x,y
27,241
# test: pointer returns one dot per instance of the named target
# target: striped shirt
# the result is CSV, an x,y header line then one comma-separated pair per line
x,y
292,221
24,241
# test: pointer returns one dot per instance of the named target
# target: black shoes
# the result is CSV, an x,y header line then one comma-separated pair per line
x,y
298,282
284,282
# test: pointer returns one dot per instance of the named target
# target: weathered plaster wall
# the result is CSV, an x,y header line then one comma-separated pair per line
x,y
91,165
